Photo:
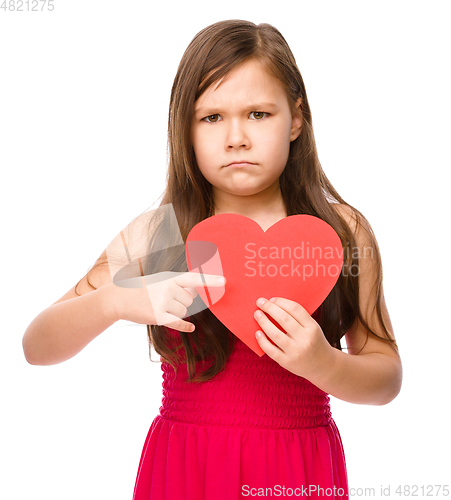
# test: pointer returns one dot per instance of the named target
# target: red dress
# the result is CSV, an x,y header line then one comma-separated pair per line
x,y
253,426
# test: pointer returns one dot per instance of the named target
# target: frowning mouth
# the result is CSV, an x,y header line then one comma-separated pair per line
x,y
240,164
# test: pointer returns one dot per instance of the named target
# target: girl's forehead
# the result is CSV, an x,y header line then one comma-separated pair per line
x,y
249,72
249,81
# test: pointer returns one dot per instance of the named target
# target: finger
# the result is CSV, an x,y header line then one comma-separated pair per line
x,y
183,296
181,326
295,310
190,280
185,280
273,351
168,317
165,305
177,309
192,291
275,334
283,318
158,293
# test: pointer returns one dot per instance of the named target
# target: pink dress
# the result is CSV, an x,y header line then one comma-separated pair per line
x,y
252,430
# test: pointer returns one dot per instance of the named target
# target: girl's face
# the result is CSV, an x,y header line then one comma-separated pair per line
x,y
246,119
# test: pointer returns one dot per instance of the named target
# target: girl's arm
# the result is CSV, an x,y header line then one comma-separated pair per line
x,y
374,375
62,330
67,326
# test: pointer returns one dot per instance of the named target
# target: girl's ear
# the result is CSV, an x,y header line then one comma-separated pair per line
x,y
296,123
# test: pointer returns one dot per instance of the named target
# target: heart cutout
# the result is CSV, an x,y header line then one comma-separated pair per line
x,y
299,258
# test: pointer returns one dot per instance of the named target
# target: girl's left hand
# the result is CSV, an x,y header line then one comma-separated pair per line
x,y
303,350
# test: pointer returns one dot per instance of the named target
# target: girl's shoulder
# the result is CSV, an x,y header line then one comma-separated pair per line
x,y
129,245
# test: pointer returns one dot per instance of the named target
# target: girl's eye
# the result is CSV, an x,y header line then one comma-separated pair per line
x,y
210,116
259,113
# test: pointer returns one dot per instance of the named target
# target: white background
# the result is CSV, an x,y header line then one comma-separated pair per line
x,y
83,114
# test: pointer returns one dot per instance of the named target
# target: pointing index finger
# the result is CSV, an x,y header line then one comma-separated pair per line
x,y
191,279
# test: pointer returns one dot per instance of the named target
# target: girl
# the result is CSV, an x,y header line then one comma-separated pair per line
x,y
233,424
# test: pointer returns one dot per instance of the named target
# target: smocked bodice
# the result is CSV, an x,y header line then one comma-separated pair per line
x,y
250,392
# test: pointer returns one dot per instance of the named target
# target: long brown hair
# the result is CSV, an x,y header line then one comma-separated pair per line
x,y
211,55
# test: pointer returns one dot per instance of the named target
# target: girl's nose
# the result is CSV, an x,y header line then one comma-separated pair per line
x,y
237,136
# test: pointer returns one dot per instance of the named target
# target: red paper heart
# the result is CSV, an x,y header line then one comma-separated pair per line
x,y
285,261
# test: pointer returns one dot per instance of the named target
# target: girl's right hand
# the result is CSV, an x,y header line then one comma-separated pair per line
x,y
164,302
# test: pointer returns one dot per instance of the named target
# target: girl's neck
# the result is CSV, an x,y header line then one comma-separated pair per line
x,y
267,204
265,217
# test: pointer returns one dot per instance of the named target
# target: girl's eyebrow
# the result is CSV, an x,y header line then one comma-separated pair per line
x,y
253,107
